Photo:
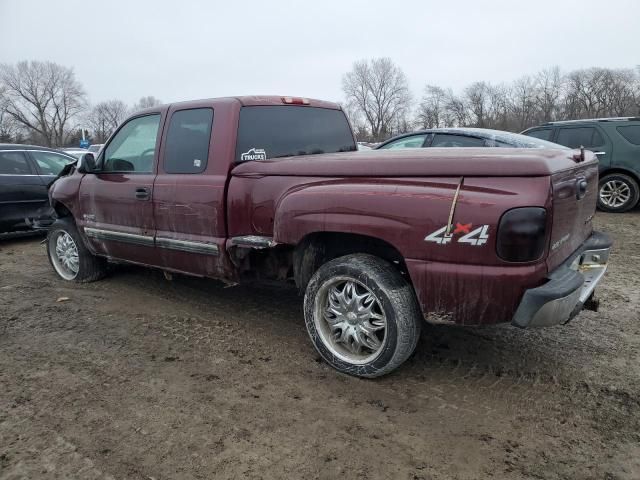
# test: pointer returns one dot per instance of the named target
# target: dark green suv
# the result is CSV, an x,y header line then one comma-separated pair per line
x,y
616,142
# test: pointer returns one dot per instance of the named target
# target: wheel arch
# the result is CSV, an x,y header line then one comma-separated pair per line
x,y
620,170
320,247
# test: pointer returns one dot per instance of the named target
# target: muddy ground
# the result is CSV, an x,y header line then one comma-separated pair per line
x,y
137,377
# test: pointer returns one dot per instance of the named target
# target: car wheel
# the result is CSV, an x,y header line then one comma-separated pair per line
x,y
362,315
617,193
68,255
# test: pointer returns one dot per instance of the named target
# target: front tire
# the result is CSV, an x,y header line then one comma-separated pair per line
x,y
362,315
617,193
69,256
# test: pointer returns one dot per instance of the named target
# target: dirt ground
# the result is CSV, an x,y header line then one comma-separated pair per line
x,y
138,377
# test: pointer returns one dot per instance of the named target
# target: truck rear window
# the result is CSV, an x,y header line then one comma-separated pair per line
x,y
281,131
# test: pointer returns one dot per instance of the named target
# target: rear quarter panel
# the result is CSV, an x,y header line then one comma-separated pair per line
x,y
401,211
469,282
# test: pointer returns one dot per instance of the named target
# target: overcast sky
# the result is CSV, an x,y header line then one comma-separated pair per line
x,y
187,49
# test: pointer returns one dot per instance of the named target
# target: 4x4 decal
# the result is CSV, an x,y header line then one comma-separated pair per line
x,y
476,237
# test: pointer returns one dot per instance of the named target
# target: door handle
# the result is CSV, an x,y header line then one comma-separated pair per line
x,y
600,153
143,193
581,188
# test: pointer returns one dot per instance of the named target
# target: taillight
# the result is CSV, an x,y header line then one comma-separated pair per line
x,y
522,234
295,101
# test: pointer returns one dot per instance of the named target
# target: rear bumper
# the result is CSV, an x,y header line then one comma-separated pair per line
x,y
569,288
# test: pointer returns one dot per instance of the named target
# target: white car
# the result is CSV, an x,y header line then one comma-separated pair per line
x,y
74,152
95,148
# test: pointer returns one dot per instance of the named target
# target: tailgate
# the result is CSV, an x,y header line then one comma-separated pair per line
x,y
573,210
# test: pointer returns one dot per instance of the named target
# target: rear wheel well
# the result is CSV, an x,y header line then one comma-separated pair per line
x,y
316,249
612,171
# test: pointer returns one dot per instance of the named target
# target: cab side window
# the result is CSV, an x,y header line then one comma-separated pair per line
x,y
14,163
188,140
587,137
133,147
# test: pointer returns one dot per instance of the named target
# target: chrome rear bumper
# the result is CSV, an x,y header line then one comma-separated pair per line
x,y
569,289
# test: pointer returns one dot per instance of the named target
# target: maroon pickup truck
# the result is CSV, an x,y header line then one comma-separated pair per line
x,y
272,188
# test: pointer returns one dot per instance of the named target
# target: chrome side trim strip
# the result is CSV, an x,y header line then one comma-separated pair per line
x,y
149,241
187,246
101,234
253,241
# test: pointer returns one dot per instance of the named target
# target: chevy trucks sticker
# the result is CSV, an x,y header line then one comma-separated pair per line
x,y
254,154
476,237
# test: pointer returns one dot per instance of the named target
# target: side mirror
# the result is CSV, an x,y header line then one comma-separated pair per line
x,y
87,163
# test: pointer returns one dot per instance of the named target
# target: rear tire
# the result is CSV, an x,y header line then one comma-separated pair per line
x,y
617,193
362,315
69,256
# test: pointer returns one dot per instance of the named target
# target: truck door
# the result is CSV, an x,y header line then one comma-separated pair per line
x,y
116,209
189,194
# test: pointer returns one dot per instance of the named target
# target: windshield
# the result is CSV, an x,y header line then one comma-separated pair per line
x,y
281,131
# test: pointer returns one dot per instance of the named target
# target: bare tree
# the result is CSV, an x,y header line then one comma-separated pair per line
x,y
105,117
548,86
523,102
9,129
357,123
378,90
42,97
432,112
477,97
498,107
146,102
531,100
457,110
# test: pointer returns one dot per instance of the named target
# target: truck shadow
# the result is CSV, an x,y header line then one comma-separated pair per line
x,y
548,355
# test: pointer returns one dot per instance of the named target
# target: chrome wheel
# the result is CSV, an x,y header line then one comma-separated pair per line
x,y
64,255
615,193
350,320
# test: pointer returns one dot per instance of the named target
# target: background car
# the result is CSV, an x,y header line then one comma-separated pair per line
x,y
75,152
25,174
95,148
616,142
464,137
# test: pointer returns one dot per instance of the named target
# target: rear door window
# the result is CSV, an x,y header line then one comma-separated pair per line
x,y
281,131
414,141
450,140
576,137
631,133
14,163
542,134
187,141
50,163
